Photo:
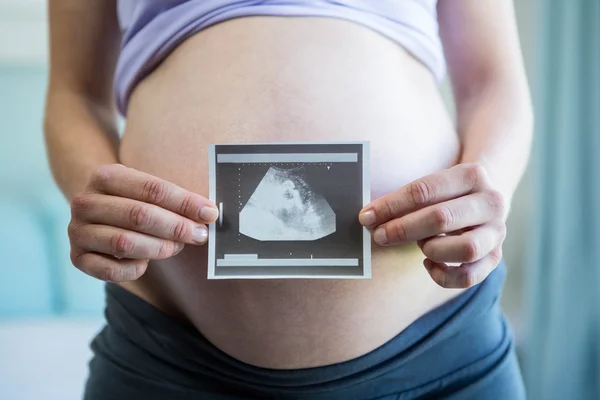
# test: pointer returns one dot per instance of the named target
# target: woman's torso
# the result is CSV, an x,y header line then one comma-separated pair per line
x,y
278,79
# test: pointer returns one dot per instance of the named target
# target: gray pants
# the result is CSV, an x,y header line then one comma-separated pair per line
x,y
461,350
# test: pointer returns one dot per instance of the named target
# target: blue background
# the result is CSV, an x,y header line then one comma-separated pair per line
x,y
37,277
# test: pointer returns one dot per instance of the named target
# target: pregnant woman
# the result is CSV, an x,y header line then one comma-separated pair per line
x,y
186,74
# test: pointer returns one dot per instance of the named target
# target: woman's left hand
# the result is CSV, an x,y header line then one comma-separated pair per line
x,y
455,216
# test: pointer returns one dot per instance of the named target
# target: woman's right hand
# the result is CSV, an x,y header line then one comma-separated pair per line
x,y
124,218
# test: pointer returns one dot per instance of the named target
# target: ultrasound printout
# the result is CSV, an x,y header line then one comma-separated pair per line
x,y
289,210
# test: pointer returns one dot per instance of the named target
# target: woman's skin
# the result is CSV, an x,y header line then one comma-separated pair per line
x,y
440,194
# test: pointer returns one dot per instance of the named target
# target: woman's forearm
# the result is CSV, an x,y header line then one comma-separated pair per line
x,y
496,128
80,136
485,63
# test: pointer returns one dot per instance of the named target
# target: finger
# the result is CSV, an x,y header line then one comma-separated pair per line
x,y
126,182
466,248
466,275
138,216
108,268
474,209
122,243
445,185
422,242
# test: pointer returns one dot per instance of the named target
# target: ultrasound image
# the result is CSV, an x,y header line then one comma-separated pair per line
x,y
285,207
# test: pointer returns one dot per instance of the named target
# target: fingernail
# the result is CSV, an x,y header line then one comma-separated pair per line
x,y
178,248
367,218
380,236
209,214
200,234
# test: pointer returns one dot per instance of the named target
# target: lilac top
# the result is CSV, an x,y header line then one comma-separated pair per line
x,y
152,28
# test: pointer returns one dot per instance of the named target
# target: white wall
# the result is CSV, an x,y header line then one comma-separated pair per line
x,y
23,32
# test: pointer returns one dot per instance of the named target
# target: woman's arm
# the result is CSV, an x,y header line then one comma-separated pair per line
x,y
494,112
80,120
120,218
458,215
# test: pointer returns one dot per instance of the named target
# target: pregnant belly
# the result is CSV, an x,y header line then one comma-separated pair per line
x,y
268,79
